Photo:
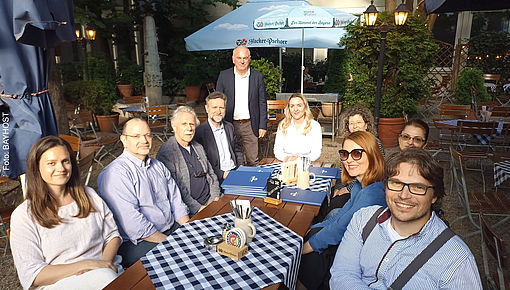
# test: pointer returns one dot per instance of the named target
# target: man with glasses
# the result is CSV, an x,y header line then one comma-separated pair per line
x,y
246,102
405,244
187,161
141,193
414,134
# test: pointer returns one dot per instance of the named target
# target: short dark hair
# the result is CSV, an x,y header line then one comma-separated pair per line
x,y
420,124
428,168
216,95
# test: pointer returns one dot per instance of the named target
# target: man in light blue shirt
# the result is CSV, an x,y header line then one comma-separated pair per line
x,y
378,246
218,138
141,193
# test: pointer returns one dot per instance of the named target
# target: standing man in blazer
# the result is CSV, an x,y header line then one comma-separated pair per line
x,y
218,138
246,102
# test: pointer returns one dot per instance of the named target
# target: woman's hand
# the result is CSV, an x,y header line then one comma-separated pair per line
x,y
89,265
290,158
340,191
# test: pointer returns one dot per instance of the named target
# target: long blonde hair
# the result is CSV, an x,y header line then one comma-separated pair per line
x,y
285,123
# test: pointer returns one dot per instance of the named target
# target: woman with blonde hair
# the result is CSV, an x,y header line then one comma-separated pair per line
x,y
298,133
63,235
362,161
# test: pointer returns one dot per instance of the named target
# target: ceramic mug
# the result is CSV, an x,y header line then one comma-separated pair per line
x,y
247,226
304,178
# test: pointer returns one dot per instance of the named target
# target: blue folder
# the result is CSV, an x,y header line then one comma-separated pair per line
x,y
325,172
246,180
304,196
256,169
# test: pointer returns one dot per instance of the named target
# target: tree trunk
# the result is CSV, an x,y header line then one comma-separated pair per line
x,y
390,5
57,98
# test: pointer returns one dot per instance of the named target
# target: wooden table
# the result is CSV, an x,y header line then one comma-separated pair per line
x,y
295,216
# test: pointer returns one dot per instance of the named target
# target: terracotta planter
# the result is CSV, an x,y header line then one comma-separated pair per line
x,y
126,91
389,129
327,109
106,123
192,93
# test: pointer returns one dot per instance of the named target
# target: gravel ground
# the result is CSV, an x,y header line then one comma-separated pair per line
x,y
451,206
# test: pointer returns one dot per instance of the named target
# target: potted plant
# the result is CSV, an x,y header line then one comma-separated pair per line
x,y
409,51
98,97
129,78
471,77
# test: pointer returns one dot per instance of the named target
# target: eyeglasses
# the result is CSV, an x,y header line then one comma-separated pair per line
x,y
416,140
356,154
138,136
414,188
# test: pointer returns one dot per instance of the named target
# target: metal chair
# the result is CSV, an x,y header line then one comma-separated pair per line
x,y
5,217
490,203
84,156
275,111
157,119
495,245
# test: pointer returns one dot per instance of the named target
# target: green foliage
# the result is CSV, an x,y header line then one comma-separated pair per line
x,y
337,72
128,72
271,74
471,77
409,55
95,95
488,52
172,86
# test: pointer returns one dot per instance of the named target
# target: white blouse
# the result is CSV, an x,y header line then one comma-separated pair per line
x,y
294,143
35,247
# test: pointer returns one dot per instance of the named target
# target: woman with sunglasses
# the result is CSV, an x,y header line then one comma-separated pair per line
x,y
361,160
298,133
63,235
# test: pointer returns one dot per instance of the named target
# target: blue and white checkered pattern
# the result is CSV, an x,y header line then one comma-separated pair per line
x,y
501,172
320,184
182,262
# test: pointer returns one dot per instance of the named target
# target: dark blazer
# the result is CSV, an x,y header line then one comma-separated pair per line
x,y
257,99
205,136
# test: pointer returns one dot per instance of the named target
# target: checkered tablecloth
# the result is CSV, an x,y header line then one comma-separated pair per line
x,y
501,172
182,262
481,138
320,184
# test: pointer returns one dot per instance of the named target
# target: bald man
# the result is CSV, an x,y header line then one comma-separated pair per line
x,y
246,102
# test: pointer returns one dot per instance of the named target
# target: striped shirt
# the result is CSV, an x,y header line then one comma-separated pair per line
x,y
377,263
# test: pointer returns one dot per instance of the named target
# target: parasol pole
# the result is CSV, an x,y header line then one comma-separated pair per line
x,y
302,56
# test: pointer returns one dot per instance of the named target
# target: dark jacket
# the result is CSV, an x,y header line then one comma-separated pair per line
x,y
170,154
257,99
205,136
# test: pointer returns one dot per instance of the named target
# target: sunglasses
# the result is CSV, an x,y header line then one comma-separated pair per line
x,y
356,154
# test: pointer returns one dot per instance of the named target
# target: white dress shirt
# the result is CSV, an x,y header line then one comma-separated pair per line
x,y
294,143
242,83
226,162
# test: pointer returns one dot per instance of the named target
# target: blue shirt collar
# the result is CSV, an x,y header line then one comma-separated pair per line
x,y
135,160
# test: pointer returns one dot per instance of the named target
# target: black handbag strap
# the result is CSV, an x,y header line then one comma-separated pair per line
x,y
422,258
369,226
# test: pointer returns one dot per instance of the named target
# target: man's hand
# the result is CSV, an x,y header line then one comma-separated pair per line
x,y
340,191
225,174
262,133
201,208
